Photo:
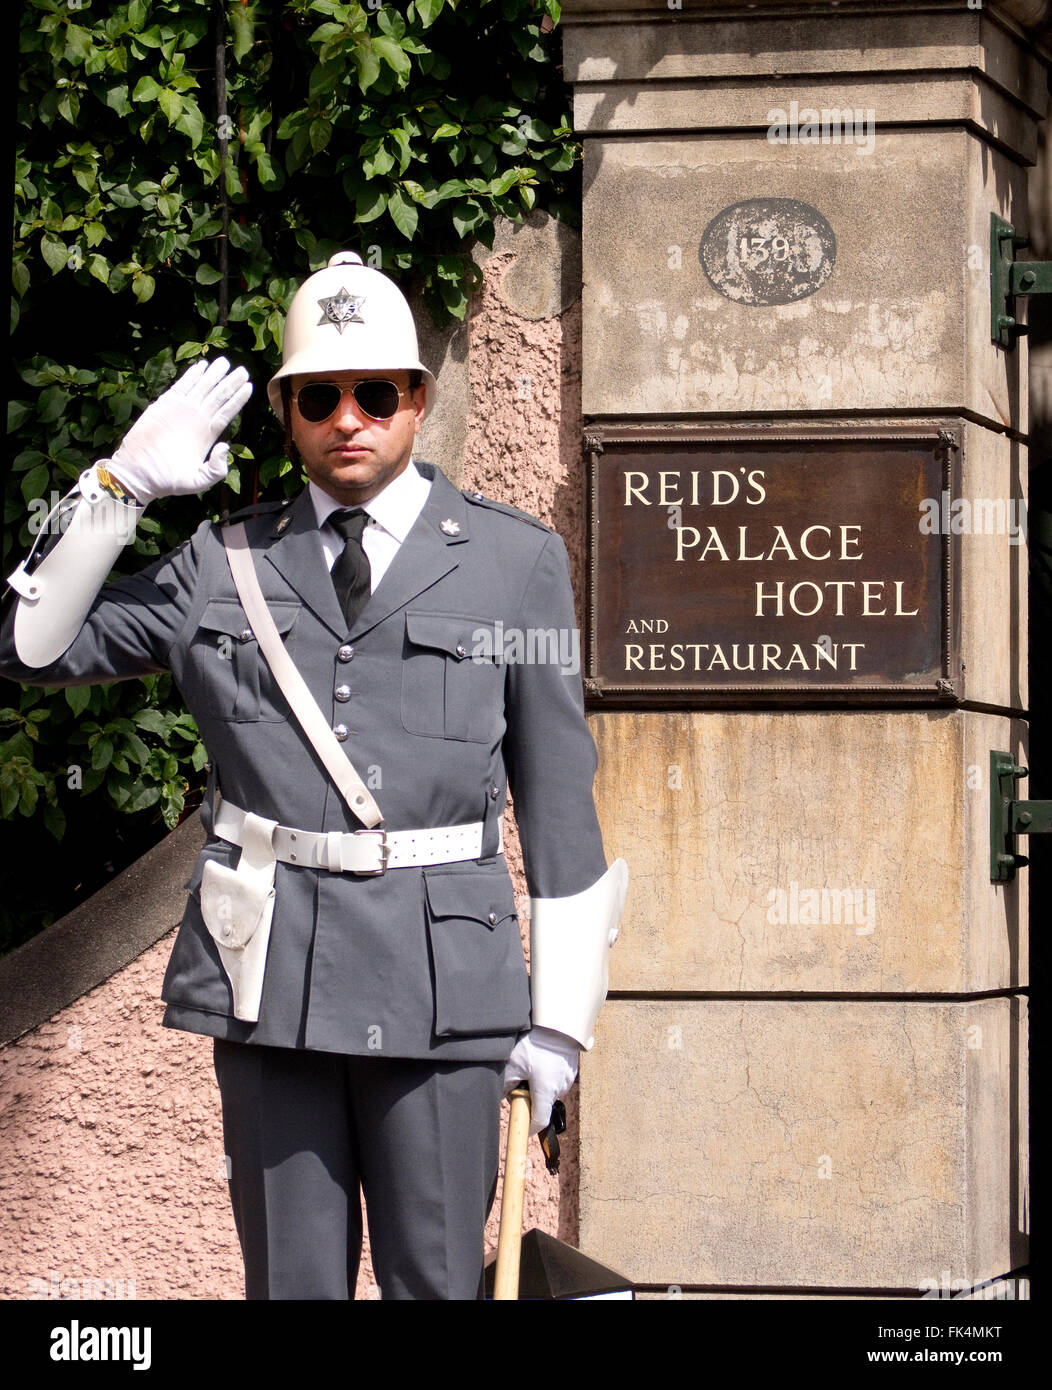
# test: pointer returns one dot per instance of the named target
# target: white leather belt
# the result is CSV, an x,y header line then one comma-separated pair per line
x,y
360,851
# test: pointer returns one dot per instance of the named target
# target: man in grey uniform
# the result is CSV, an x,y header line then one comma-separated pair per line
x,y
371,1004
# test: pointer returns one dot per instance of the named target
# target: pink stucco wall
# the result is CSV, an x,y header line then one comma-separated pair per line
x,y
112,1152
112,1179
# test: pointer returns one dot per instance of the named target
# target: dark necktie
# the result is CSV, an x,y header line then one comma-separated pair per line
x,y
351,574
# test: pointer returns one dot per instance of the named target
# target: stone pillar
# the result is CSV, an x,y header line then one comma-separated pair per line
x,y
780,1100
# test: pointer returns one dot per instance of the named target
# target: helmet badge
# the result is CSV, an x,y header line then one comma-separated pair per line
x,y
340,309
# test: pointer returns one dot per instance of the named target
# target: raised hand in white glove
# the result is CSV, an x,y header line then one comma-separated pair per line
x,y
171,449
548,1061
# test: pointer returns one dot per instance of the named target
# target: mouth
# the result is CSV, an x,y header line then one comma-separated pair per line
x,y
349,451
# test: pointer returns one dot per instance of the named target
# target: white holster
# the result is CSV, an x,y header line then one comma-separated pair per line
x,y
570,940
237,906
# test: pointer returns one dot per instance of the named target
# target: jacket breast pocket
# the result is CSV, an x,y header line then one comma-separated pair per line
x,y
480,979
452,678
225,662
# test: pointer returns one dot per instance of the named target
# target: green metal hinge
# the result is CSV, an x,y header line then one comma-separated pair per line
x,y
1009,818
1011,279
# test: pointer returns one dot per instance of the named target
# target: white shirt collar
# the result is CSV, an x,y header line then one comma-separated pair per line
x,y
395,508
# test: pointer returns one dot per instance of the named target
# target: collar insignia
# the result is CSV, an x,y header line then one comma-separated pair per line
x,y
341,309
450,527
285,521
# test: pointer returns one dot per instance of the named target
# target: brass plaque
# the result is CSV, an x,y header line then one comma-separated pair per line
x,y
802,564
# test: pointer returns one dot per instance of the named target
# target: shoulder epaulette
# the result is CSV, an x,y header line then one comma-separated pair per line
x,y
256,509
480,501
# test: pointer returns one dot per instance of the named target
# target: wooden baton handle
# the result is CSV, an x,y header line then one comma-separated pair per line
x,y
509,1241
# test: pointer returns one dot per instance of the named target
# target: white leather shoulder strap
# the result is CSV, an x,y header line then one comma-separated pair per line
x,y
293,686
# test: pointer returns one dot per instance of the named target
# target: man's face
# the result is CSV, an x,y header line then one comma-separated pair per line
x,y
350,455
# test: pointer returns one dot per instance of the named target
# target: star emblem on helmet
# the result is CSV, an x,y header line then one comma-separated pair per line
x,y
340,309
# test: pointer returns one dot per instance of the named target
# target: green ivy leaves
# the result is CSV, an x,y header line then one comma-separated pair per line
x,y
407,113
78,741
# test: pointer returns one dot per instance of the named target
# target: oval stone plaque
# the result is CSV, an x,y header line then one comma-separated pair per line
x,y
768,251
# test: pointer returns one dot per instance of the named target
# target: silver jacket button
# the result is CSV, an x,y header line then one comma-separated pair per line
x,y
494,792
341,731
342,692
245,634
461,649
493,919
345,653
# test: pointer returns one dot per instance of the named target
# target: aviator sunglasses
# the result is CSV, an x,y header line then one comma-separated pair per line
x,y
320,399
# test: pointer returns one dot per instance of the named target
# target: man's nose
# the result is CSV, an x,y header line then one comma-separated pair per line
x,y
349,414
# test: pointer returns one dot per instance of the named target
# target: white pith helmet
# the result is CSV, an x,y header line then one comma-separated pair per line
x,y
349,317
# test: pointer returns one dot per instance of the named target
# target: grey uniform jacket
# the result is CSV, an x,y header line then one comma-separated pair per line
x,y
416,962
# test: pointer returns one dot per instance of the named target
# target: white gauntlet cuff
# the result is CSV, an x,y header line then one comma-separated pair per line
x,y
570,940
55,596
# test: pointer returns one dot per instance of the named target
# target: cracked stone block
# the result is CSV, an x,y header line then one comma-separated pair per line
x,y
825,1145
901,323
819,851
724,49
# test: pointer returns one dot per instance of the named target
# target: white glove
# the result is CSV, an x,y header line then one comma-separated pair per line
x,y
169,450
548,1061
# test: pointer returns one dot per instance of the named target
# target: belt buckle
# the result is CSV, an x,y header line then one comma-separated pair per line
x,y
385,853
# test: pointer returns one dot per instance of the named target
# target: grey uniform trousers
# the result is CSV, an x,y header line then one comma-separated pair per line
x,y
303,1129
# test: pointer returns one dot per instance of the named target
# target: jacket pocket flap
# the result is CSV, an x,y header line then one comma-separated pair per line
x,y
460,637
465,896
227,615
